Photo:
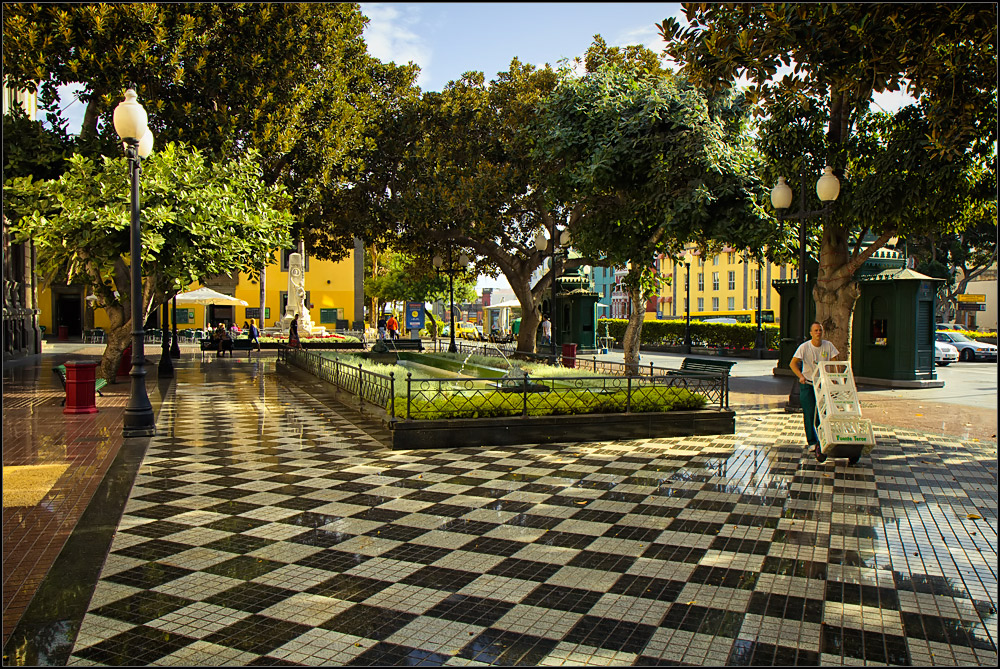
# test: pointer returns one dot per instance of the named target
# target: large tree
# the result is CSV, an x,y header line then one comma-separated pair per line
x,y
199,218
464,174
655,166
840,55
292,81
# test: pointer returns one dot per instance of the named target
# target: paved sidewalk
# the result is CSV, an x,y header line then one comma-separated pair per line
x,y
267,525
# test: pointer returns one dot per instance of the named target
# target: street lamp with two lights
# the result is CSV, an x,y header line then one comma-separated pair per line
x,y
451,271
560,249
130,124
827,189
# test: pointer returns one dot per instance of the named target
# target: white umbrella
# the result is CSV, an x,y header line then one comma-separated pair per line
x,y
207,296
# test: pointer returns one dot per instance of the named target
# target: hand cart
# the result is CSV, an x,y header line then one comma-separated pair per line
x,y
843,433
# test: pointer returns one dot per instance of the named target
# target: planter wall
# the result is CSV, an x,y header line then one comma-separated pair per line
x,y
548,429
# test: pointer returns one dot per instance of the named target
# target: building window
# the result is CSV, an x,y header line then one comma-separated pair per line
x,y
701,281
730,258
715,260
731,303
715,304
701,261
715,280
732,281
701,304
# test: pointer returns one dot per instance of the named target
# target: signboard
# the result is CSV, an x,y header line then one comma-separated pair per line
x,y
971,297
414,315
968,306
329,316
185,316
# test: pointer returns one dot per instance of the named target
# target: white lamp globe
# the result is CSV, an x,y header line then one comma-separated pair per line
x,y
540,240
146,144
565,238
781,195
828,185
438,261
129,117
463,260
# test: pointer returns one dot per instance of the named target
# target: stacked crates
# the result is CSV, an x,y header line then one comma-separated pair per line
x,y
838,410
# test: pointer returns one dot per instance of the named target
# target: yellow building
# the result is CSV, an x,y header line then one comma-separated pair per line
x,y
721,286
334,291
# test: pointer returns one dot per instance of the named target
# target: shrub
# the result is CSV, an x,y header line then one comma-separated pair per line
x,y
671,333
492,404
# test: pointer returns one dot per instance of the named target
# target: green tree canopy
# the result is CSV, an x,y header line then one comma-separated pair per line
x,y
655,167
200,218
292,81
896,174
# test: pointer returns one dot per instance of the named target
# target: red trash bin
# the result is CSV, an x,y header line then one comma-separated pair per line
x,y
569,355
63,333
80,381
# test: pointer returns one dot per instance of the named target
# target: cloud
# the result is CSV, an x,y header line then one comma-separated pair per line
x,y
390,37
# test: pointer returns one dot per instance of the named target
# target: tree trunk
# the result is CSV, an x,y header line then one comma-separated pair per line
x,y
633,331
434,325
836,291
119,337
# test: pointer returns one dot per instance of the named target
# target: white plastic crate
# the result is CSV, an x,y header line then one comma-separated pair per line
x,y
852,431
836,394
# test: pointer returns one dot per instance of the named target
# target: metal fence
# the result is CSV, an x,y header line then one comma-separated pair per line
x,y
519,396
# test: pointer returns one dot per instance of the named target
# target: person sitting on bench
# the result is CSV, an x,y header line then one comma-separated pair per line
x,y
224,340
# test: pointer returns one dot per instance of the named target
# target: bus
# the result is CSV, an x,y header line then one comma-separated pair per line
x,y
739,315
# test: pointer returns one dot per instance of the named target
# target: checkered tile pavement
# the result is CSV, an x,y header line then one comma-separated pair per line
x,y
266,527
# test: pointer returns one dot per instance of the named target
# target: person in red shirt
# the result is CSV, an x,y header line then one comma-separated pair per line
x,y
392,325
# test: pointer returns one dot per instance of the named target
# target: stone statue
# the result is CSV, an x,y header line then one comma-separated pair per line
x,y
297,297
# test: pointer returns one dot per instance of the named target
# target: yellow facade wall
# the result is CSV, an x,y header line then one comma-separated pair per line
x,y
329,285
743,292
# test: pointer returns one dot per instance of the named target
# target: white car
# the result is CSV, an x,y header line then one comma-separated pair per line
x,y
944,353
968,349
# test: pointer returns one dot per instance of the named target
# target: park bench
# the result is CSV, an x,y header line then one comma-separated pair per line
x,y
704,366
405,344
60,371
241,344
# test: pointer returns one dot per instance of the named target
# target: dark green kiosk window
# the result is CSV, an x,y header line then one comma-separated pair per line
x,y
879,331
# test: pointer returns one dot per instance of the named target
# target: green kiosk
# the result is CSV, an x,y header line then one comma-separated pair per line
x,y
577,317
892,332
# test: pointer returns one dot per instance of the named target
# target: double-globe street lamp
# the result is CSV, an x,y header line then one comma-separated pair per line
x,y
827,189
130,124
560,249
451,271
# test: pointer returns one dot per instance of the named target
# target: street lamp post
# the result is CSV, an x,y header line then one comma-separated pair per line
x,y
562,240
827,188
130,124
687,307
451,271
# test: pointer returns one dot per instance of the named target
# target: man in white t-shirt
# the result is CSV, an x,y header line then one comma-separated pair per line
x,y
804,362
546,331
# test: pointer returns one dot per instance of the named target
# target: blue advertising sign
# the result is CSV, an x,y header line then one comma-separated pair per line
x,y
414,315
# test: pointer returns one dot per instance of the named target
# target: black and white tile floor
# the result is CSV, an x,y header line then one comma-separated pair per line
x,y
266,527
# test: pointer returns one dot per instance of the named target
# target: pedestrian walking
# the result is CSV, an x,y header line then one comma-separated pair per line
x,y
392,325
254,334
546,331
293,333
225,341
805,360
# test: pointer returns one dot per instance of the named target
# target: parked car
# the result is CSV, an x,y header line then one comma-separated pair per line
x,y
944,353
462,331
968,349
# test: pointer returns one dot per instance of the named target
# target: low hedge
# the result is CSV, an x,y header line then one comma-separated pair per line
x,y
497,404
671,333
